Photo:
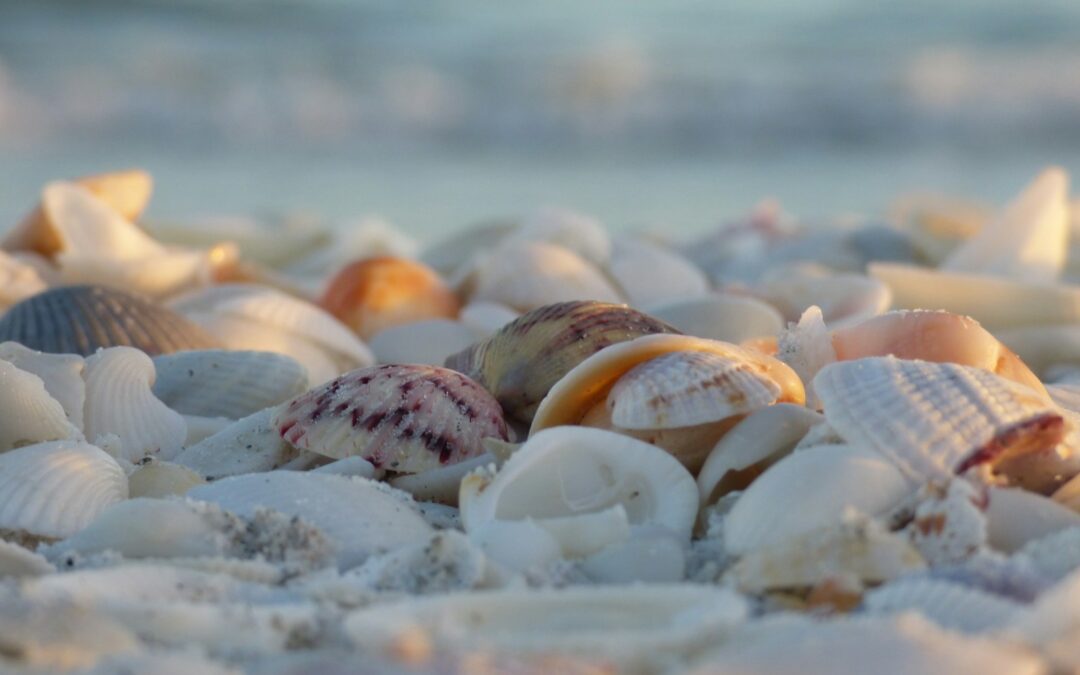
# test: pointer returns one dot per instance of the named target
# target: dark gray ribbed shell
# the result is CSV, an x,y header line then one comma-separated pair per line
x,y
80,319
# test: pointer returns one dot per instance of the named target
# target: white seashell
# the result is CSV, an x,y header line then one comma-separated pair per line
x,y
752,445
684,389
55,489
157,275
629,626
721,316
361,516
949,605
584,534
857,548
119,401
248,445
809,490
484,318
28,414
162,479
442,484
428,342
649,274
807,347
935,419
568,471
88,226
1054,556
654,557
516,545
18,280
525,275
1028,241
578,232
201,428
844,299
16,561
231,384
349,466
949,522
60,373
1015,517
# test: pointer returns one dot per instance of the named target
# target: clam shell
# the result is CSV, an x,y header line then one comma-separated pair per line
x,y
406,418
232,384
330,503
60,373
249,445
949,605
721,316
935,419
119,401
427,342
648,274
520,363
1015,517
55,489
27,413
809,490
83,319
162,479
484,318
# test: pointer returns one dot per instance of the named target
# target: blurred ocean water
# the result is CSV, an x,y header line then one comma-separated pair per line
x,y
675,114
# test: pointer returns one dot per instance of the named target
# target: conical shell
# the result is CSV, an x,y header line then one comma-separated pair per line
x,y
648,274
249,445
721,316
60,373
162,479
27,413
520,363
935,419
405,418
82,319
949,605
119,401
427,342
55,489
233,384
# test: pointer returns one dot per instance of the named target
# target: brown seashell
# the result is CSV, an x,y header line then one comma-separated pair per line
x,y
406,418
376,293
522,361
82,319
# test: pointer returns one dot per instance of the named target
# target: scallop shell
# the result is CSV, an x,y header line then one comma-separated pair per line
x,y
949,605
27,413
809,490
83,319
1015,517
751,446
631,627
648,274
119,401
55,489
233,384
406,418
60,373
935,419
485,318
427,342
249,445
162,479
520,363
721,316
591,471
360,516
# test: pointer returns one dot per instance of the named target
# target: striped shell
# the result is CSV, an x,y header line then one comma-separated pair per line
x,y
935,419
232,384
28,414
520,363
405,418
83,319
55,489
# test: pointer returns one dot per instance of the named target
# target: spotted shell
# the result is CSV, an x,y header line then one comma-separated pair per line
x,y
406,418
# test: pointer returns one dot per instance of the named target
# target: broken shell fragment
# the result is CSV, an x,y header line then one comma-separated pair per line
x,y
62,375
28,414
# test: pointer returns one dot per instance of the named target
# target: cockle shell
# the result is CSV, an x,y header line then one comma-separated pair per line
x,y
935,419
405,418
232,384
28,414
721,316
1015,517
162,479
249,445
60,373
55,489
520,363
428,342
374,294
119,401
648,274
82,319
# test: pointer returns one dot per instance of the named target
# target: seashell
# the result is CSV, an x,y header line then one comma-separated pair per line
x,y
249,445
949,605
520,363
857,548
405,418
844,299
156,275
1042,347
516,545
427,342
721,316
807,347
119,401
1014,517
578,232
374,294
653,557
751,447
54,489
526,275
935,419
995,302
485,318
594,471
162,479
16,561
201,428
939,224
455,252
83,319
1028,241
442,484
948,523
18,280
274,243
350,466
631,627
810,490
330,503
232,384
648,274
28,414
60,373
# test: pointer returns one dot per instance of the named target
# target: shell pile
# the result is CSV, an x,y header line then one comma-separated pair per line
x,y
539,446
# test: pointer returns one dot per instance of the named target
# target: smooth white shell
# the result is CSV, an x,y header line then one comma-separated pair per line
x,y
648,274
248,445
1015,517
28,414
162,479
721,316
61,374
